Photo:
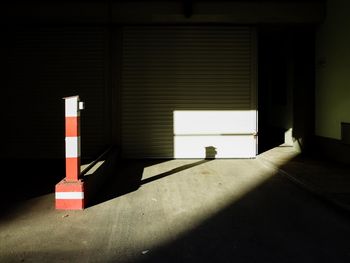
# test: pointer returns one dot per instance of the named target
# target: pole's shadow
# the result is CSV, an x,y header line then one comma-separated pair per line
x,y
127,175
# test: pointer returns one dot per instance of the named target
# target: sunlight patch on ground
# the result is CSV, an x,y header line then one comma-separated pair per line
x,y
186,199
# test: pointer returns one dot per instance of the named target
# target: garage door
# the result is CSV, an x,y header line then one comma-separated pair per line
x,y
188,92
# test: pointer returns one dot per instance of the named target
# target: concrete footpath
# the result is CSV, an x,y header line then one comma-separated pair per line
x,y
222,210
326,179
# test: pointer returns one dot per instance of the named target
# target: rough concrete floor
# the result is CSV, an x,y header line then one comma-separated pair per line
x,y
182,211
327,179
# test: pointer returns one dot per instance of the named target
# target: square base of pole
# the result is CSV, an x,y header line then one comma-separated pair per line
x,y
69,195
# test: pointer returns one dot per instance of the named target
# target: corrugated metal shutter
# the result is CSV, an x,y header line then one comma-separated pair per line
x,y
170,69
48,64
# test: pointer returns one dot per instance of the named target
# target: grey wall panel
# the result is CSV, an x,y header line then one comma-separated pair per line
x,y
47,64
180,68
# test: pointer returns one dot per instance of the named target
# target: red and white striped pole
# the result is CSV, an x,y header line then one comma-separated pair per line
x,y
70,191
72,119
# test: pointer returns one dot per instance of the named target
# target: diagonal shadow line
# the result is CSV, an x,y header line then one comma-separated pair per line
x,y
173,171
131,177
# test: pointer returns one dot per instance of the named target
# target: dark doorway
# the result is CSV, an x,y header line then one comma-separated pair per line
x,y
274,100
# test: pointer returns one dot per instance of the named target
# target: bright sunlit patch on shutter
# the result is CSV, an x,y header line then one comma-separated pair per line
x,y
215,134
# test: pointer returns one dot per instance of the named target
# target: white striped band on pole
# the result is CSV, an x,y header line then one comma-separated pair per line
x,y
69,195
